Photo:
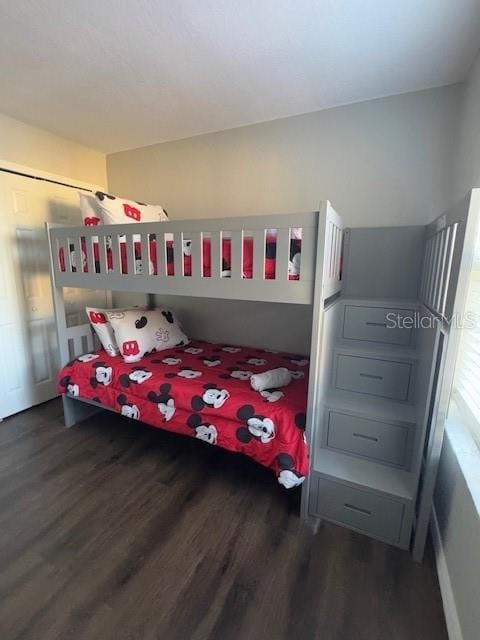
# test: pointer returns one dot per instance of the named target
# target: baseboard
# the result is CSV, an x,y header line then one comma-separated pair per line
x,y
449,605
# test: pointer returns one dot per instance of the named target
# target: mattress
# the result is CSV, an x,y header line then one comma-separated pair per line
x,y
203,391
270,258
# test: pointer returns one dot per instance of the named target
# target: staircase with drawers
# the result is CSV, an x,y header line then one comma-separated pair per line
x,y
367,451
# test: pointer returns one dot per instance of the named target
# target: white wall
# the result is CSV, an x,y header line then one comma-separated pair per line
x,y
36,148
457,514
382,162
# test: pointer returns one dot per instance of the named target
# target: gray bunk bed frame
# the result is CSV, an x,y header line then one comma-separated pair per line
x,y
319,279
390,501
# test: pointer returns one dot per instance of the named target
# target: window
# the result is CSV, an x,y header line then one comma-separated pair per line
x,y
466,386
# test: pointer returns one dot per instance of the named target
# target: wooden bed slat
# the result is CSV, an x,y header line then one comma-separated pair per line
x,y
196,247
77,346
116,260
90,266
435,263
90,342
443,236
328,248
178,253
258,254
237,255
442,267
282,254
130,250
448,267
145,244
160,248
102,254
428,271
309,242
338,258
216,254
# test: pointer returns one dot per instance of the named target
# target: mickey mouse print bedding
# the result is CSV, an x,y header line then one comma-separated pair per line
x,y
203,390
269,263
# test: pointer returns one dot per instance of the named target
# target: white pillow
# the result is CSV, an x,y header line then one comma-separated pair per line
x,y
139,332
119,211
102,327
90,210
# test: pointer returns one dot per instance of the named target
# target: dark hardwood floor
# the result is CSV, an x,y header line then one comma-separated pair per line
x,y
112,530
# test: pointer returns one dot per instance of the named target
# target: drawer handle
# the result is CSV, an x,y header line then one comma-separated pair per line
x,y
371,376
352,507
362,435
376,324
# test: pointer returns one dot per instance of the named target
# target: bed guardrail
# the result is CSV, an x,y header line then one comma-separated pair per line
x,y
150,257
445,256
80,339
437,265
333,253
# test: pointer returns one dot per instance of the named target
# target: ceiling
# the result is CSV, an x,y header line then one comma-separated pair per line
x,y
119,74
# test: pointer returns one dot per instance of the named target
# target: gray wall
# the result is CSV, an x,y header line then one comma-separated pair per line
x,y
455,507
267,325
381,162
467,156
391,270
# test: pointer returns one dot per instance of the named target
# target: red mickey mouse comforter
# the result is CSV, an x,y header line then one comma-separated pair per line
x,y
203,390
269,269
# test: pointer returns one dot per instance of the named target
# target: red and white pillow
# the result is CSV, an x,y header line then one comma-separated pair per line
x,y
90,210
104,330
103,208
119,211
139,332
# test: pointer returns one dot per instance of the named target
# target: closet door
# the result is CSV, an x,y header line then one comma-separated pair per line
x,y
28,348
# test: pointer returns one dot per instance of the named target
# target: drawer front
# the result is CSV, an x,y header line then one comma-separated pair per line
x,y
383,378
375,325
380,441
368,512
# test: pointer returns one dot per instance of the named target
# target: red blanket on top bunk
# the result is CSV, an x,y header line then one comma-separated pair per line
x,y
270,257
204,391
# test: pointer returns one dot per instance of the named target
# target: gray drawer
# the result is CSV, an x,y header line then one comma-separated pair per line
x,y
368,512
374,324
373,376
380,441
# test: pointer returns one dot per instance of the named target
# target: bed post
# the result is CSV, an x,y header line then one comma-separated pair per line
x,y
315,350
74,410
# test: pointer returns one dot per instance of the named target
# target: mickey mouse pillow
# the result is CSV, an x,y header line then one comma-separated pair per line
x,y
102,327
119,211
139,332
90,210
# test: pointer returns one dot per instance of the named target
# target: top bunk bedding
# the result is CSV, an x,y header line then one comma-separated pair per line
x,y
203,390
226,257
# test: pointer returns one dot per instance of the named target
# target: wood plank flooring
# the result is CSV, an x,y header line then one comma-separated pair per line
x,y
115,531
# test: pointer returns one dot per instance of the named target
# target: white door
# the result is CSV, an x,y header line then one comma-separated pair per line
x,y
28,345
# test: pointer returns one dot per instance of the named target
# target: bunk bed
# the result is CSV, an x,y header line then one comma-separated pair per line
x,y
242,258
376,401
